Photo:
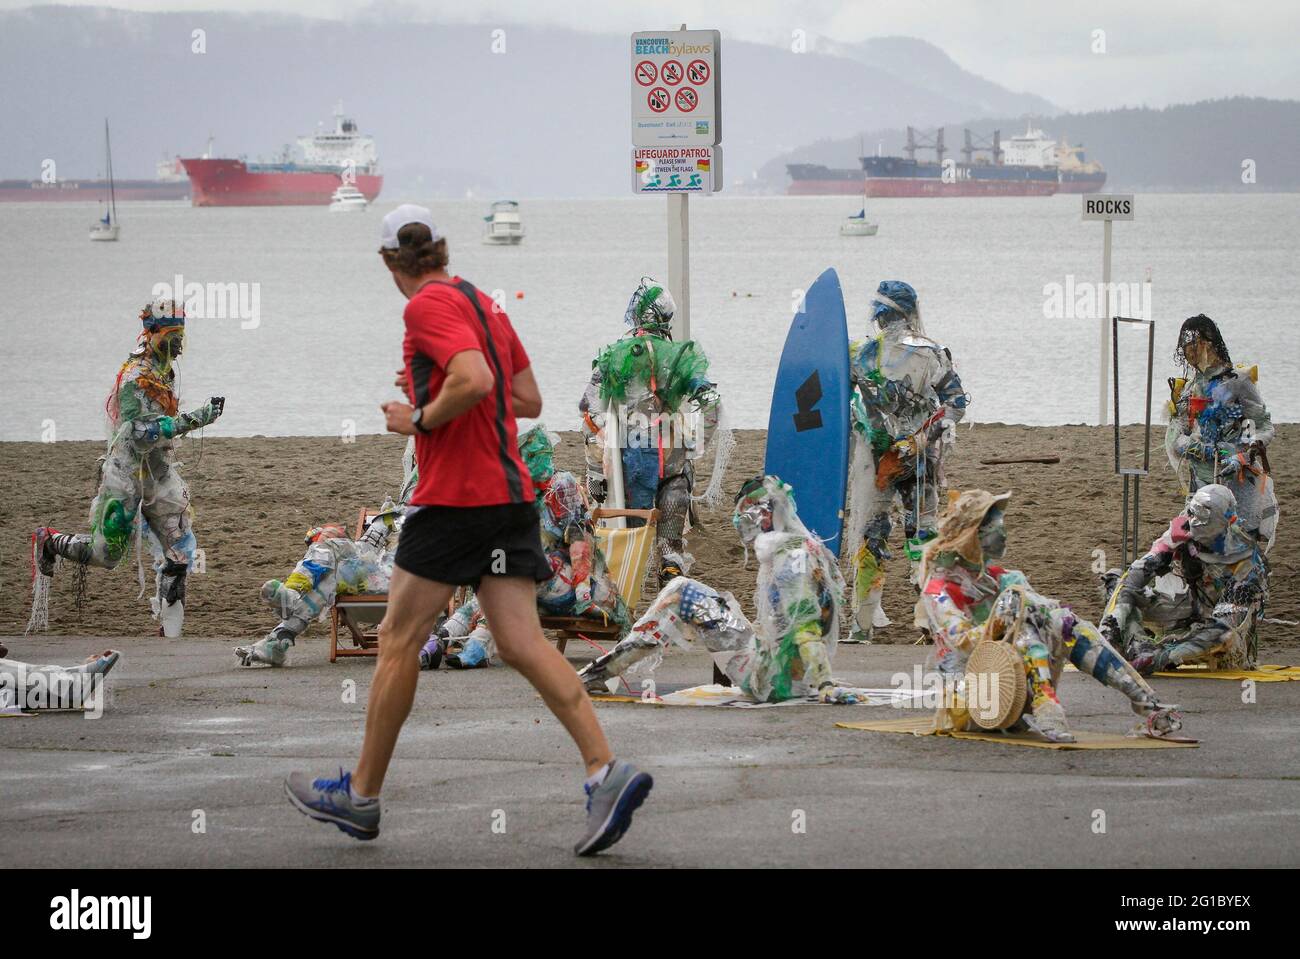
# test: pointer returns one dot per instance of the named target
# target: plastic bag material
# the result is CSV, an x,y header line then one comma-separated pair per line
x,y
672,371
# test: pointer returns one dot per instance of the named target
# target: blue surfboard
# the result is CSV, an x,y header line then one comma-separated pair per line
x,y
808,428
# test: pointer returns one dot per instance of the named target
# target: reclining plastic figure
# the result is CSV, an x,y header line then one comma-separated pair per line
x,y
1212,619
966,598
787,653
672,412
1219,428
333,564
581,584
905,392
24,686
139,475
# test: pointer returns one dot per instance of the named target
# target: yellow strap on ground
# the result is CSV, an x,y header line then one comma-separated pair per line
x,y
924,726
1260,674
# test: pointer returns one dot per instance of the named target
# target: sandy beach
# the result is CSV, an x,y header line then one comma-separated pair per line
x,y
254,498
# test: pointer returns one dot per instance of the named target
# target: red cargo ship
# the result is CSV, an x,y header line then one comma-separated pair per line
x,y
328,160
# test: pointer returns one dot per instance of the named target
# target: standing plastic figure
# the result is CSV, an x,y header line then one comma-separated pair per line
x,y
334,564
581,584
906,394
1219,428
1212,618
967,598
670,410
787,653
139,475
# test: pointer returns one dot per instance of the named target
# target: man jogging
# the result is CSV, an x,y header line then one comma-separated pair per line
x,y
471,522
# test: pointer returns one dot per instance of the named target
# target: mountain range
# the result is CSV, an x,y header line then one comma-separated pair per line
x,y
548,115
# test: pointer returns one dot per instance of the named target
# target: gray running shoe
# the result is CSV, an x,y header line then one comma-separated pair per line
x,y
610,806
330,800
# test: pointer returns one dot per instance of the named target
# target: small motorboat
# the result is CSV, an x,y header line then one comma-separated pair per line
x,y
106,227
504,227
857,225
348,198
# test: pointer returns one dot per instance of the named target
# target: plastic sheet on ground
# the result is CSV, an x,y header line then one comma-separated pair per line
x,y
714,694
1261,674
924,726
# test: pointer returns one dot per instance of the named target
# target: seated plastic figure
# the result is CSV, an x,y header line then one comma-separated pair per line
x,y
787,653
1222,584
966,599
333,564
581,584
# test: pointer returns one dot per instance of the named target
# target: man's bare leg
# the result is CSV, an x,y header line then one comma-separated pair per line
x,y
413,606
510,604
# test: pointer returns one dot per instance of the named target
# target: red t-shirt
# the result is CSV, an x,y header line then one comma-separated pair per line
x,y
474,459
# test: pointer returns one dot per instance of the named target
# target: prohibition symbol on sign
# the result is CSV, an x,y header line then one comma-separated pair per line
x,y
646,73
658,99
687,99
671,73
697,72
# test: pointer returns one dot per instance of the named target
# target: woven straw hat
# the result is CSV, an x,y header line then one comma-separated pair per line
x,y
997,700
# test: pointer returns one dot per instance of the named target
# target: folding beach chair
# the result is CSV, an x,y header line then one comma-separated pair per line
x,y
627,553
361,613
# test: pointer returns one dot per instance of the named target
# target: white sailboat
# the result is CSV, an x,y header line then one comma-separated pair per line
x,y
857,224
106,227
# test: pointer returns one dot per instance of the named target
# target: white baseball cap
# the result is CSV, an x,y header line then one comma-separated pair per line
x,y
394,220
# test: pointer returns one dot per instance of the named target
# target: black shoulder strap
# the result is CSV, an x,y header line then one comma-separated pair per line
x,y
513,481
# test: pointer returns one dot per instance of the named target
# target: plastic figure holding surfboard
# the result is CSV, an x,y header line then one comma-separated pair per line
x,y
906,397
648,414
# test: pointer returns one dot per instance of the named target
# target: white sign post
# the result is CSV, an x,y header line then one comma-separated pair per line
x,y
1107,207
676,131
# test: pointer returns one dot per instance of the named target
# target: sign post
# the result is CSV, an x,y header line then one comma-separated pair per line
x,y
676,132
1107,207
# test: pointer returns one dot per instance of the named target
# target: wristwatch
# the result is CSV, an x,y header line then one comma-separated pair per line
x,y
416,415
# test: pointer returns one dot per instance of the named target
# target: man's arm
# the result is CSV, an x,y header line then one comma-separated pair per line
x,y
525,395
468,381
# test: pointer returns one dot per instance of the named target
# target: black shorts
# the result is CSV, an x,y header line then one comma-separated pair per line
x,y
459,545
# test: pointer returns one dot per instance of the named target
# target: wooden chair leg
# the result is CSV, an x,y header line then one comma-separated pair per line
x,y
561,642
334,633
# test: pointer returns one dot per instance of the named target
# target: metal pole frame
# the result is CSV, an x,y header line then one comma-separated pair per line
x,y
1130,528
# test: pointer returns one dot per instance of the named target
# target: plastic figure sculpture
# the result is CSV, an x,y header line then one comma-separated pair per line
x,y
139,476
581,584
1219,428
906,395
787,652
666,412
334,564
966,598
1219,590
27,687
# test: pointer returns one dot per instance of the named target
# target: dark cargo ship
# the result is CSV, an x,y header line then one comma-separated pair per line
x,y
1031,165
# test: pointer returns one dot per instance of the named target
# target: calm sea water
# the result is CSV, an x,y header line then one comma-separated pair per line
x,y
329,333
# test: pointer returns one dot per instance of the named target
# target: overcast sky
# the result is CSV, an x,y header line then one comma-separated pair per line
x,y
1156,51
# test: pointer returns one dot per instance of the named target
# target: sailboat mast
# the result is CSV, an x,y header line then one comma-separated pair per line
x,y
108,152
